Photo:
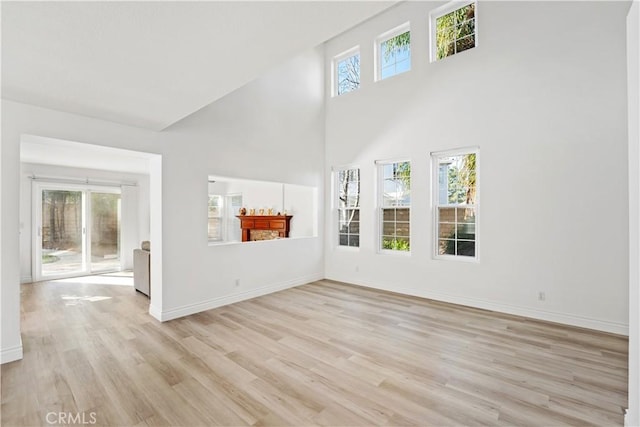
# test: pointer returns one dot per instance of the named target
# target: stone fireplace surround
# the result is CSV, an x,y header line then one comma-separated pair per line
x,y
264,235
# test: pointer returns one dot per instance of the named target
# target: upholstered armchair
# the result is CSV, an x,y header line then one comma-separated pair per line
x,y
142,268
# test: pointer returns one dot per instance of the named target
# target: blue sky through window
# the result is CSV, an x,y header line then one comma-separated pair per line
x,y
394,58
348,74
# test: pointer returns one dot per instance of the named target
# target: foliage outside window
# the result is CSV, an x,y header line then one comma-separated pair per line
x,y
455,31
215,218
394,53
348,191
347,72
395,206
61,221
456,204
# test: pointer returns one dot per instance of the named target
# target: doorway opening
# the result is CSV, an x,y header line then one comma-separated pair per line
x,y
103,203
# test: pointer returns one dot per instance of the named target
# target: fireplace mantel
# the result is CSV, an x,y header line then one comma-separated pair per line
x,y
276,223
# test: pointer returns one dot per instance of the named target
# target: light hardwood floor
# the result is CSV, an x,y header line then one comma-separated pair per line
x,y
321,354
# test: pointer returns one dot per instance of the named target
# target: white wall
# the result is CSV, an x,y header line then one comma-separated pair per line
x,y
129,228
135,205
217,187
543,96
10,341
11,346
257,194
144,209
633,87
275,120
301,202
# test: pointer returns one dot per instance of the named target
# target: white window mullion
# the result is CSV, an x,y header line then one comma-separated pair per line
x,y
383,63
394,197
346,65
457,198
470,8
347,190
86,238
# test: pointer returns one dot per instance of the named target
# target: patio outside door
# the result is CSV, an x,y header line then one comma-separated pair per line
x,y
76,231
105,231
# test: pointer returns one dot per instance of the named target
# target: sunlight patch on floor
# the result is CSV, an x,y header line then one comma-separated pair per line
x,y
75,300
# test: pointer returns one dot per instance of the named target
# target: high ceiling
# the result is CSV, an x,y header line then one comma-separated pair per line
x,y
150,64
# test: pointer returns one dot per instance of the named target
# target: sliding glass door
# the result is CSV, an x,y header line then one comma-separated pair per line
x,y
105,231
61,232
76,230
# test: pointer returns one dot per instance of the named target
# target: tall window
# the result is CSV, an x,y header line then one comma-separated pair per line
x,y
394,201
348,203
453,29
347,71
394,52
215,218
456,203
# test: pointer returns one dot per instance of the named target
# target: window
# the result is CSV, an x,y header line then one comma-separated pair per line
x,y
394,201
348,203
233,203
453,29
224,226
393,51
79,229
347,71
215,218
456,203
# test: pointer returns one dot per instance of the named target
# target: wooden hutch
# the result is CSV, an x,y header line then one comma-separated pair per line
x,y
275,223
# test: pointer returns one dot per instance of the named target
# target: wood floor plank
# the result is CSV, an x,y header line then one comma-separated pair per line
x,y
215,410
219,389
325,354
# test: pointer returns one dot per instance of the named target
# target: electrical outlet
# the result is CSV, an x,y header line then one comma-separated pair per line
x,y
357,268
542,296
237,282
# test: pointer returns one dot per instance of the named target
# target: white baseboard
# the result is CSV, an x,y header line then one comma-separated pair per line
x,y
11,354
189,309
26,279
631,419
567,319
155,312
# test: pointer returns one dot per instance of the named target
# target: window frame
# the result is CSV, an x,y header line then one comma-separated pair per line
x,y
377,47
220,217
334,70
231,223
442,11
380,207
435,190
337,208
